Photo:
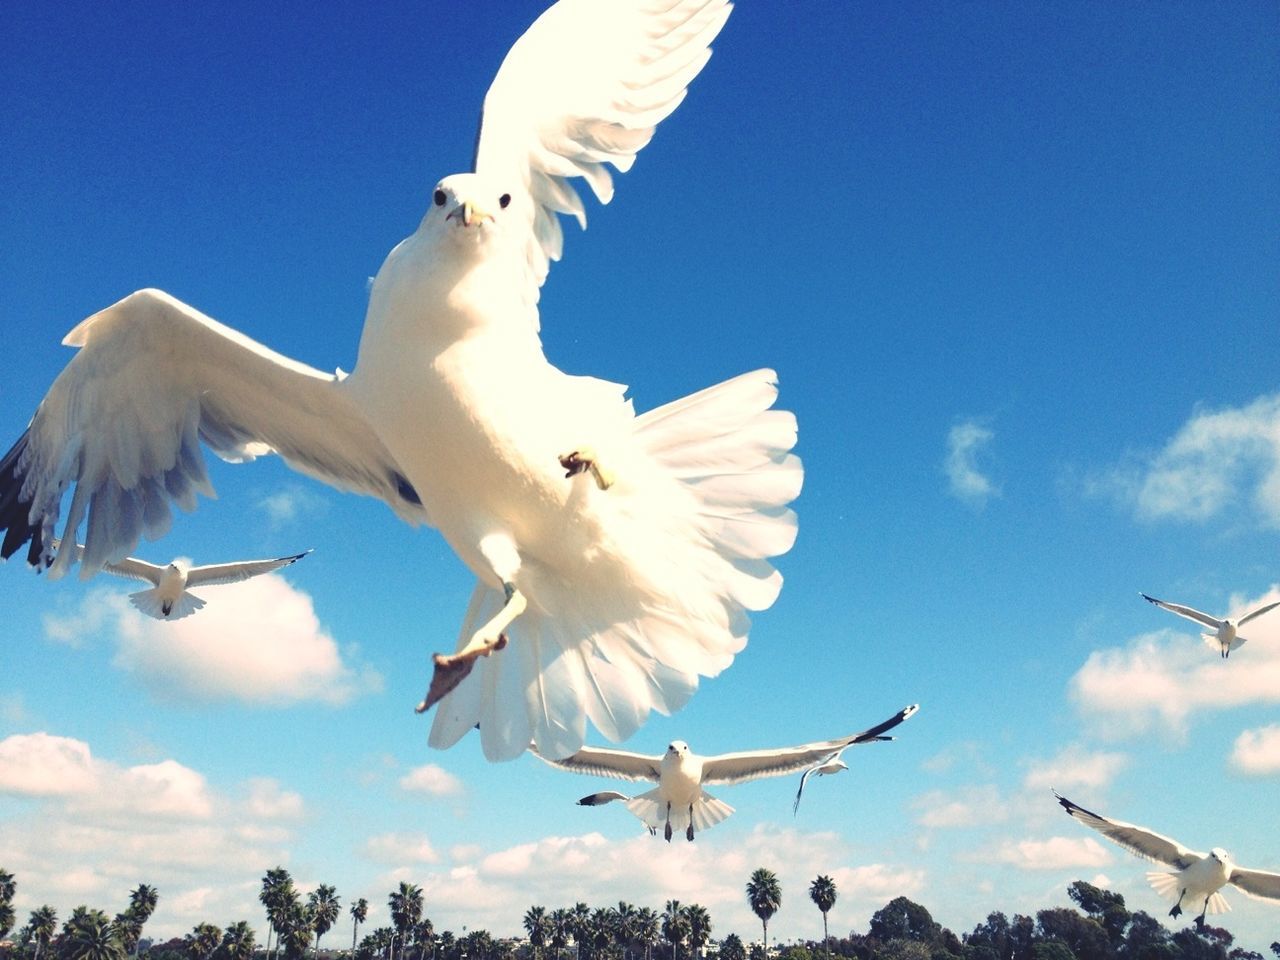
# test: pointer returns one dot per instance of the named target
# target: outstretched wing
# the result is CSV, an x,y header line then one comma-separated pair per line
x,y
124,420
1257,883
584,86
603,762
1189,612
1257,613
606,796
215,573
130,568
1137,840
754,764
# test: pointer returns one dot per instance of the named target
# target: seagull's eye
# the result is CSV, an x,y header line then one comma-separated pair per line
x,y
504,201
439,198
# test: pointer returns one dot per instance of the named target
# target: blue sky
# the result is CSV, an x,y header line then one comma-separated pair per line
x,y
1016,268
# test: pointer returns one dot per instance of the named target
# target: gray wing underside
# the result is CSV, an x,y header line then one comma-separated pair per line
x,y
730,768
1257,883
1137,840
123,423
604,762
218,573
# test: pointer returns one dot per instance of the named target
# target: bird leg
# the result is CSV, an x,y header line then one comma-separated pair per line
x,y
1203,911
1177,907
583,459
667,832
451,670
688,834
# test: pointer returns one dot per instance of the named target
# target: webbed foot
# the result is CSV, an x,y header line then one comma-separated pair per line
x,y
583,459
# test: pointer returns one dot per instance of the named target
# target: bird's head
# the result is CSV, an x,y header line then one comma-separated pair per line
x,y
180,564
1220,855
677,748
468,205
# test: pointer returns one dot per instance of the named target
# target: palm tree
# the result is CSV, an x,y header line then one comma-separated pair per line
x,y
238,942
203,940
823,893
42,925
447,944
560,920
297,924
699,921
89,935
625,916
359,914
8,887
478,945
537,926
424,935
406,910
325,906
731,948
765,896
604,925
581,926
647,929
277,891
675,925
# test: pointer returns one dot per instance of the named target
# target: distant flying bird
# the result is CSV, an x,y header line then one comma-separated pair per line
x,y
1224,636
1197,876
169,599
823,768
617,555
679,800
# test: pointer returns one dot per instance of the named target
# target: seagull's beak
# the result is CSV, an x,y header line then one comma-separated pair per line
x,y
469,213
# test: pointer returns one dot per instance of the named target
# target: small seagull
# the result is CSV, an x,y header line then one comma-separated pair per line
x,y
825,767
679,800
169,599
1198,876
1224,635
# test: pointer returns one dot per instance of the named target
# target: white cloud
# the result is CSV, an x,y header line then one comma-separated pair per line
x,y
400,849
964,442
40,765
258,641
963,807
269,801
1159,680
1056,853
1217,460
1257,752
431,780
284,506
1074,767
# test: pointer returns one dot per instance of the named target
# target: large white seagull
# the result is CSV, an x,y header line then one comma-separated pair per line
x,y
617,556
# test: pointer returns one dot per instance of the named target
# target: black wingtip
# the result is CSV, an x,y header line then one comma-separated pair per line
x,y
15,511
1147,598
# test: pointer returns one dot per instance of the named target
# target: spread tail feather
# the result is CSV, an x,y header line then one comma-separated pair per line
x,y
150,603
652,809
700,508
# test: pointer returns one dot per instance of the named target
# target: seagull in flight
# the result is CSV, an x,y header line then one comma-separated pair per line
x,y
679,801
1196,877
168,598
825,767
1224,631
617,555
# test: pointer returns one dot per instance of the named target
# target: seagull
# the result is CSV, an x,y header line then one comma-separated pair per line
x,y
825,767
169,599
1224,635
617,555
1197,876
679,800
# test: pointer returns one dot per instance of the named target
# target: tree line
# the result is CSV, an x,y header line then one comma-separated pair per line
x,y
1100,927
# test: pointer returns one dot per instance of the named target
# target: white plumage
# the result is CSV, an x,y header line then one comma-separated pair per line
x,y
679,801
169,597
617,555
1197,877
1225,636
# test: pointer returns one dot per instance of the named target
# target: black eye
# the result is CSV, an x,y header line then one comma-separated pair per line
x,y
504,200
439,198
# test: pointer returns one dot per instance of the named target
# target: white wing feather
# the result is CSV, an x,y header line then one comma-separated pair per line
x,y
1190,613
124,420
216,573
604,762
1137,840
586,85
1257,883
730,768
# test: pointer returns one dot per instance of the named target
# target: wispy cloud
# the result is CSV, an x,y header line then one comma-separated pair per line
x,y
286,505
1218,460
1159,680
1074,766
433,780
964,443
258,641
1257,752
964,807
1055,853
